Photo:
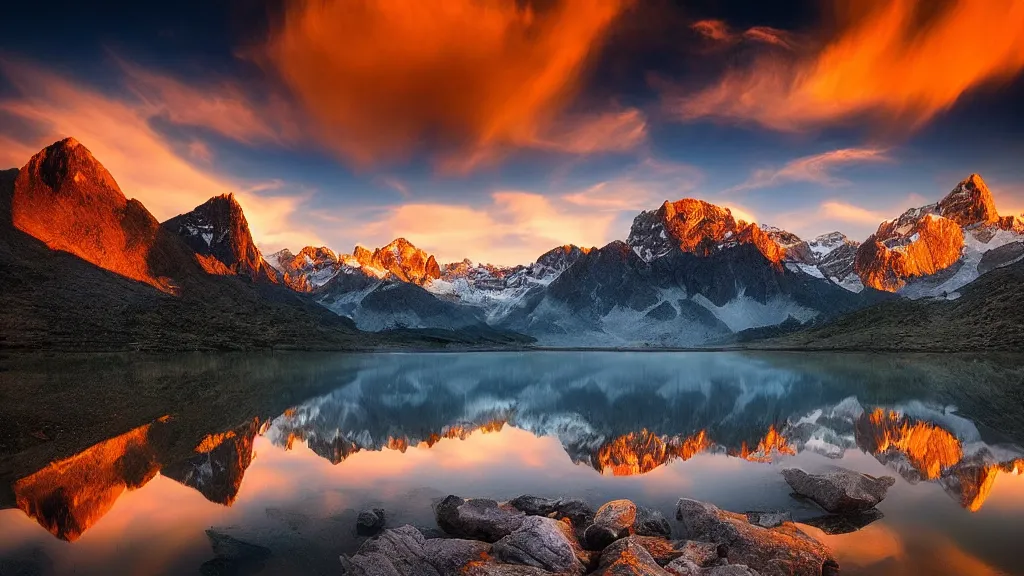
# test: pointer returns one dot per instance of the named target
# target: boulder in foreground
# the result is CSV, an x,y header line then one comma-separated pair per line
x,y
780,551
840,490
477,518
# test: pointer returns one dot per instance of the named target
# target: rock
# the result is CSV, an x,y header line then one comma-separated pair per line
x,y
769,519
683,567
575,509
627,557
650,522
477,519
370,522
540,542
783,550
840,490
396,552
452,555
613,520
844,523
730,570
502,570
665,551
233,556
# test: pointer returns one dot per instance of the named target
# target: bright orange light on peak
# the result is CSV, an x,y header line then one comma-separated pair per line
x,y
211,441
929,448
641,452
773,443
400,444
68,496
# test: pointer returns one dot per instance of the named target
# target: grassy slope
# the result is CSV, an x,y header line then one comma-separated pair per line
x,y
988,316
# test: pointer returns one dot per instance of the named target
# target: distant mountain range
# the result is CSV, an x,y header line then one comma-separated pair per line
x,y
82,263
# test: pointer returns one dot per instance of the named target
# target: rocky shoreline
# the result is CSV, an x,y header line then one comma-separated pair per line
x,y
536,536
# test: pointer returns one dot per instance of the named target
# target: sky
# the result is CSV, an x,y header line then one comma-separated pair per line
x,y
497,129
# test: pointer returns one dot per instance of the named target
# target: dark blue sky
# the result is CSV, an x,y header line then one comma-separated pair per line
x,y
495,129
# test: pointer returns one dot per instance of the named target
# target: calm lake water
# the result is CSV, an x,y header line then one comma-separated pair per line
x,y
138,465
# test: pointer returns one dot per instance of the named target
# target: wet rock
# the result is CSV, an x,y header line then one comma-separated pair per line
x,y
783,550
539,542
233,556
370,522
478,518
840,490
650,522
453,555
502,570
730,570
665,551
683,567
613,521
575,509
627,557
769,519
396,552
844,523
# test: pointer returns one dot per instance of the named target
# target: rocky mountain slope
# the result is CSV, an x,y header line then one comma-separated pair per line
x,y
936,249
218,233
84,268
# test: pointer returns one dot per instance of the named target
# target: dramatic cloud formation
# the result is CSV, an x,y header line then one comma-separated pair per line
x,y
901,60
145,164
816,169
385,79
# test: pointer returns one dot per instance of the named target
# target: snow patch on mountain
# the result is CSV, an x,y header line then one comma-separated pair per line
x,y
743,312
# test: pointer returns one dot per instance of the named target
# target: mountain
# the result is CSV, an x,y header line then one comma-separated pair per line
x,y
313,267
834,255
66,199
219,235
689,274
309,269
496,289
936,249
697,227
399,259
84,268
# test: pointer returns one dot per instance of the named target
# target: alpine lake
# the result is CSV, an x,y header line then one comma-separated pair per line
x,y
148,464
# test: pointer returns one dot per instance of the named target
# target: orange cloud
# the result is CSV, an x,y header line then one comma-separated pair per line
x,y
816,168
223,108
719,31
901,60
383,79
844,212
713,29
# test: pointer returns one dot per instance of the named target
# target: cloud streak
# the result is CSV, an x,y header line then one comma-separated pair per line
x,y
383,80
888,61
817,169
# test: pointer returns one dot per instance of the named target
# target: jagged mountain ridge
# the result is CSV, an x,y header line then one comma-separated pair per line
x,y
936,249
84,268
219,234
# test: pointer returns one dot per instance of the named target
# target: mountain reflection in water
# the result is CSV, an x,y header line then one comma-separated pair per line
x,y
618,414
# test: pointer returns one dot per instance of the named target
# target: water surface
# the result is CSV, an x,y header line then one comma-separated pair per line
x,y
123,465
